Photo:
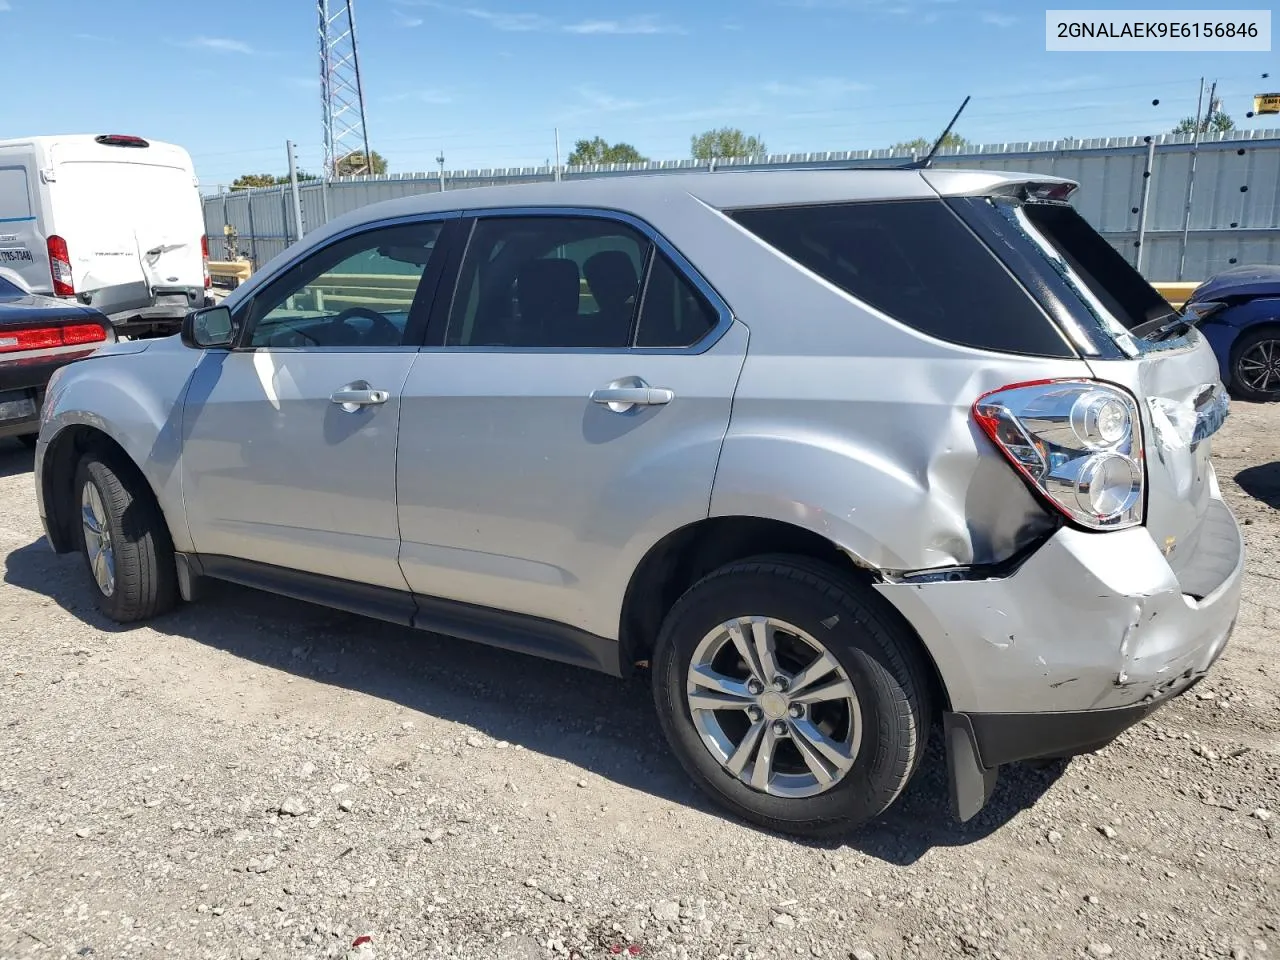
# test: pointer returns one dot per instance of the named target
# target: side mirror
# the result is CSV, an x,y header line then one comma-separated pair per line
x,y
211,327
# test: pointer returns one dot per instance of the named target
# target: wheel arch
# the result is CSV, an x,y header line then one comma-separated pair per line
x,y
682,558
57,478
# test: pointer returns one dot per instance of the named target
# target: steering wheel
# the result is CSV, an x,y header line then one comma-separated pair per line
x,y
390,333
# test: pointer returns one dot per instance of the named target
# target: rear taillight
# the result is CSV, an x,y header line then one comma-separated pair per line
x,y
1079,442
45,338
60,268
204,252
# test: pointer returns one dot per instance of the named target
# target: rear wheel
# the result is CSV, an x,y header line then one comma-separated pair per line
x,y
1255,367
790,696
124,540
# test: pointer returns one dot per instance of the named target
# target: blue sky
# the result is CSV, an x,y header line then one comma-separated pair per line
x,y
487,81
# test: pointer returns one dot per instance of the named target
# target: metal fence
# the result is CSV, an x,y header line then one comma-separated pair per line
x,y
1134,190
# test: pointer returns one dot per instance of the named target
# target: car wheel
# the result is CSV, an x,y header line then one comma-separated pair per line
x,y
792,696
1255,367
124,540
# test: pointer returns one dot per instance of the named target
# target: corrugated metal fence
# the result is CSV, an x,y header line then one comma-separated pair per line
x,y
1235,198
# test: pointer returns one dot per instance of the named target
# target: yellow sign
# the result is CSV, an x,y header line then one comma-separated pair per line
x,y
1266,103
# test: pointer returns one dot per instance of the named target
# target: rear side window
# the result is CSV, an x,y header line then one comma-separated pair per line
x,y
1101,268
15,196
917,262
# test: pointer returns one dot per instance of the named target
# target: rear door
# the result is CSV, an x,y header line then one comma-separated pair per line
x,y
130,218
22,256
567,413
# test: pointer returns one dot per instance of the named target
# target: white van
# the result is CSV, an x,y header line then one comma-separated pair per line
x,y
115,222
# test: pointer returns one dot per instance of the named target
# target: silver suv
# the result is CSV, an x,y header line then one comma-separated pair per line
x,y
831,454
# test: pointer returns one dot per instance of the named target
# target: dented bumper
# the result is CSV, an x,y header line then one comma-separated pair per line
x,y
1088,622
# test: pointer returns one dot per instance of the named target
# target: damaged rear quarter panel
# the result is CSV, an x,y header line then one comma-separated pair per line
x,y
880,454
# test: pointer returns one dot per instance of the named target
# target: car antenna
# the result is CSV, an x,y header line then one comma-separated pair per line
x,y
927,160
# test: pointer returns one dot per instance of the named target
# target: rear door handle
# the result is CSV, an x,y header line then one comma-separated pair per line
x,y
352,398
622,399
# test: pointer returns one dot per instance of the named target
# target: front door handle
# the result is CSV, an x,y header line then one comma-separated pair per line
x,y
621,398
354,396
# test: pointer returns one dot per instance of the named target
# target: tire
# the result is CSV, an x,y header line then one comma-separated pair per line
x,y
145,581
1261,346
876,653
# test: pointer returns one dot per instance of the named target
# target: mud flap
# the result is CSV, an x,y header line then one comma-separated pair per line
x,y
971,782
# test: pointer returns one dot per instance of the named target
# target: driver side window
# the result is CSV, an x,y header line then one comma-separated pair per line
x,y
358,292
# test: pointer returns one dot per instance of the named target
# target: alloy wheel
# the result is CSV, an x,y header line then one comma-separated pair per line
x,y
98,545
774,707
1258,367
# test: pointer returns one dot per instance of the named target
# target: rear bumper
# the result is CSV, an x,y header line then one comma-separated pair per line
x,y
1000,738
1088,622
168,308
1089,635
26,378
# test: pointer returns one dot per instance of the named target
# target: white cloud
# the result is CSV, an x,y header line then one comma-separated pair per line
x,y
220,45
816,88
430,95
515,22
531,22
999,19
630,25
406,21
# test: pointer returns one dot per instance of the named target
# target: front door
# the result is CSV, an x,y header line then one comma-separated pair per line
x,y
290,439
572,415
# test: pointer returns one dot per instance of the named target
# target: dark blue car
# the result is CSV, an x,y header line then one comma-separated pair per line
x,y
1241,309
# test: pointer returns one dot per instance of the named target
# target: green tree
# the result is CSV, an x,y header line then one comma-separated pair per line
x,y
921,145
353,164
1215,122
599,150
247,180
725,142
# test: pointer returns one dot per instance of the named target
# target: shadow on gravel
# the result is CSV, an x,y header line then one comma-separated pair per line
x,y
1262,482
593,721
15,458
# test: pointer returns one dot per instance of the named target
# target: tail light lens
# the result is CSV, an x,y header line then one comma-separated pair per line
x,y
45,338
204,252
1079,442
60,268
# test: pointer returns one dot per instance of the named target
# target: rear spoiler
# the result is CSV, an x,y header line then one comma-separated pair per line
x,y
982,183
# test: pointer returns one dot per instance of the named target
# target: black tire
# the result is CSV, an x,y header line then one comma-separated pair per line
x,y
878,653
146,580
1244,351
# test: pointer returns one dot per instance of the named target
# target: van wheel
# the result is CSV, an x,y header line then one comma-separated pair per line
x,y
791,696
124,540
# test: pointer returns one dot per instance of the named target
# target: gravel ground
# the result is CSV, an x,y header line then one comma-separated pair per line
x,y
252,777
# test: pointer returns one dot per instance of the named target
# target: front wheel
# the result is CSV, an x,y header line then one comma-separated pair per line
x,y
124,540
790,696
1255,367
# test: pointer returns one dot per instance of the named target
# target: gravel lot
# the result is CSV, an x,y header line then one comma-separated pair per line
x,y
252,777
